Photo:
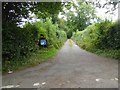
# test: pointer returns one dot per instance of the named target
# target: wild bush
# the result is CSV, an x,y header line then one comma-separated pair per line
x,y
101,36
54,35
18,43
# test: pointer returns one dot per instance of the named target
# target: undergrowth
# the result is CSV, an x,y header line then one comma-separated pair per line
x,y
32,59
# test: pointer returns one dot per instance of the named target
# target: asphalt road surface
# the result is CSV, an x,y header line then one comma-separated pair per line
x,y
72,67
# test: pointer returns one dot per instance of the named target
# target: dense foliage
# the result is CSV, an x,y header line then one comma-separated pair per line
x,y
55,36
104,36
13,12
18,43
78,16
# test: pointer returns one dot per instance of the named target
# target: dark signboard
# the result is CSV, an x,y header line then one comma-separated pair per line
x,y
43,42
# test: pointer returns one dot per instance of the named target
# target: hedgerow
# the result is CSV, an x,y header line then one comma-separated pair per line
x,y
55,36
19,43
100,36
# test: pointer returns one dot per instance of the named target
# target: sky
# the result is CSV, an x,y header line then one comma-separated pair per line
x,y
100,12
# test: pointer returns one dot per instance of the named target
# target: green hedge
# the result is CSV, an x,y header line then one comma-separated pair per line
x,y
101,36
54,35
18,43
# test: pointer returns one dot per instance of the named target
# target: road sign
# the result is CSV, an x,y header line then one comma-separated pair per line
x,y
43,42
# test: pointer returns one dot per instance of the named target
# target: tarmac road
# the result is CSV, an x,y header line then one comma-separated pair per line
x,y
72,67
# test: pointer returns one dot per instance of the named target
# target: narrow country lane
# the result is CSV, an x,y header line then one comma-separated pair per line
x,y
72,67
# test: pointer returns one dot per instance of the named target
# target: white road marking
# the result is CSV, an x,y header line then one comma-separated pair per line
x,y
10,86
17,85
116,79
97,80
36,84
10,72
43,83
75,45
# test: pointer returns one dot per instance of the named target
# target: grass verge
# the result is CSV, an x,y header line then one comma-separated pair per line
x,y
108,53
115,54
70,43
35,58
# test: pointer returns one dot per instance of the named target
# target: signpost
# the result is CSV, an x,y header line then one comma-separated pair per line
x,y
42,41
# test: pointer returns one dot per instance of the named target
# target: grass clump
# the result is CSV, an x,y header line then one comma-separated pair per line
x,y
70,43
33,59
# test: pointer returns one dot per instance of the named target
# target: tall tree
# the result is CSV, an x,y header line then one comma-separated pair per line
x,y
85,12
79,15
13,12
47,9
110,5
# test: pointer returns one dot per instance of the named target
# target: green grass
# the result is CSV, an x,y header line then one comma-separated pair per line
x,y
34,59
70,43
115,54
108,53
